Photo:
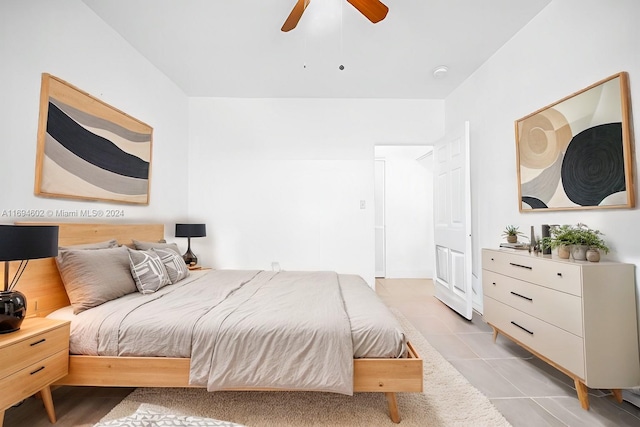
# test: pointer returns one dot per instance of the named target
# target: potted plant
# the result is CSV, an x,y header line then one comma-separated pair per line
x,y
588,244
561,237
578,239
511,232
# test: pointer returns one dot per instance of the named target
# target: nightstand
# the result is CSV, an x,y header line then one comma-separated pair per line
x,y
197,267
31,359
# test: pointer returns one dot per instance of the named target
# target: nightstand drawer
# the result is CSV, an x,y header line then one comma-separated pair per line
x,y
33,378
555,274
557,308
564,348
25,352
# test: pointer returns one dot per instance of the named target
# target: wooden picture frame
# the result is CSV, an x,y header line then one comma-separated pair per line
x,y
88,149
577,152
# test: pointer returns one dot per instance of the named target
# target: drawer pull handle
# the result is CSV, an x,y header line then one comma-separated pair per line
x,y
38,342
521,266
522,296
37,370
493,283
524,329
559,274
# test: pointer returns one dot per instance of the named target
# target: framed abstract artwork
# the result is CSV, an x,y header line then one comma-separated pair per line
x,y
88,149
577,152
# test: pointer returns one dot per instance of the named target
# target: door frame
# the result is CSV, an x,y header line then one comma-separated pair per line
x,y
382,246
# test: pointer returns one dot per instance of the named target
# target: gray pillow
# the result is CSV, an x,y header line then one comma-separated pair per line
x,y
176,268
148,271
99,245
93,277
145,246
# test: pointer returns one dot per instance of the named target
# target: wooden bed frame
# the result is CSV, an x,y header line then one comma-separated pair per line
x,y
42,285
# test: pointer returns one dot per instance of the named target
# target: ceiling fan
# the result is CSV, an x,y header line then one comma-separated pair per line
x,y
373,10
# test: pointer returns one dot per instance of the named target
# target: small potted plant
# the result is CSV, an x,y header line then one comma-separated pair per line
x,y
511,232
561,237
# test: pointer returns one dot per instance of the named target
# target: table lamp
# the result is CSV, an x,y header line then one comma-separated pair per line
x,y
21,243
189,231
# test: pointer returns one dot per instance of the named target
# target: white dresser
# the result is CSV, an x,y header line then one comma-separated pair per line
x,y
580,317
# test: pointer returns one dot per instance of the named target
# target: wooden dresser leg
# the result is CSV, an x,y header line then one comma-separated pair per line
x,y
394,414
495,334
45,393
617,394
583,393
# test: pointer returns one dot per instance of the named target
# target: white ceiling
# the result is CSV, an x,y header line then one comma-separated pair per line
x,y
234,48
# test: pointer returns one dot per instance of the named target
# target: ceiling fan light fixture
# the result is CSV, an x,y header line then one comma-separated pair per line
x,y
440,72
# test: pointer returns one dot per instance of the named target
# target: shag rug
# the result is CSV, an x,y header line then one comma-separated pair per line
x,y
448,400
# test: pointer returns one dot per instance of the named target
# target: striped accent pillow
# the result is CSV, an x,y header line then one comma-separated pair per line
x,y
176,268
148,271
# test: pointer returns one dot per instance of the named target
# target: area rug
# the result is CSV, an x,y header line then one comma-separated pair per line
x,y
158,416
448,400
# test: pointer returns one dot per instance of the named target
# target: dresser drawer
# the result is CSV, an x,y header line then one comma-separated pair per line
x,y
25,352
558,345
557,308
33,378
555,274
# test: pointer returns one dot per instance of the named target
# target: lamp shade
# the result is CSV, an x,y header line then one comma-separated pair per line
x,y
191,230
22,242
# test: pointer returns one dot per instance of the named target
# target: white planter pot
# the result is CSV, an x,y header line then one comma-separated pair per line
x,y
579,252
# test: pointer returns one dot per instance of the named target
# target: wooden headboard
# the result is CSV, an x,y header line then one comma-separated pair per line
x,y
41,282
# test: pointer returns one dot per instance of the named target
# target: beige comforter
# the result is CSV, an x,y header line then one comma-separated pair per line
x,y
249,329
281,330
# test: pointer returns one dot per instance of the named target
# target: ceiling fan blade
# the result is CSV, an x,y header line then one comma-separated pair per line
x,y
295,15
374,10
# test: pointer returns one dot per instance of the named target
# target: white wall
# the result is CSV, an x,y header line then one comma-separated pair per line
x,y
568,46
66,39
282,179
408,211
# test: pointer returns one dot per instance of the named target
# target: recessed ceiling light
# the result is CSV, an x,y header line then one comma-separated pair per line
x,y
440,71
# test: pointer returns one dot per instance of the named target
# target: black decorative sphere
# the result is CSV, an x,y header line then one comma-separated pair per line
x,y
13,308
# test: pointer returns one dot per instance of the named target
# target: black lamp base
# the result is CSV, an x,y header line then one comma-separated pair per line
x,y
190,258
13,308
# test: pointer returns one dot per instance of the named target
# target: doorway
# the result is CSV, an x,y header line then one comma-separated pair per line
x,y
403,211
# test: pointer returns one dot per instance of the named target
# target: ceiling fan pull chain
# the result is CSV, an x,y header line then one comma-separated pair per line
x,y
341,67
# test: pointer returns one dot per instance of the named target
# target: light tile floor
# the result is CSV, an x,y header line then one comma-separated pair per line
x,y
526,390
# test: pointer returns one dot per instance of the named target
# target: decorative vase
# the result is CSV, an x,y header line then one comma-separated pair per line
x,y
579,252
512,239
13,308
593,255
563,252
546,230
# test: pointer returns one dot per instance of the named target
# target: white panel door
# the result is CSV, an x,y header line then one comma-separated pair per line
x,y
452,221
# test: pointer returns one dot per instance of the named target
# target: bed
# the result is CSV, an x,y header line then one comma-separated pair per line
x,y
46,296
